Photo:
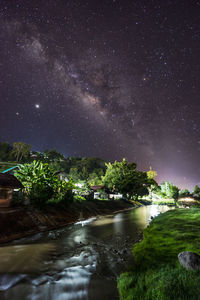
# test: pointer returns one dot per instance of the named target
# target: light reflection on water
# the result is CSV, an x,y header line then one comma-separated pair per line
x,y
78,262
143,215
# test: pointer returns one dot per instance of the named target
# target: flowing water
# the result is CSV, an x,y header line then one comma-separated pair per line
x,y
80,261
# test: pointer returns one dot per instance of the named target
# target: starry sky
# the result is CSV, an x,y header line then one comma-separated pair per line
x,y
110,79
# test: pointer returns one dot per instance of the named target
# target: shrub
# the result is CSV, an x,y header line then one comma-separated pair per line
x,y
78,198
42,186
63,192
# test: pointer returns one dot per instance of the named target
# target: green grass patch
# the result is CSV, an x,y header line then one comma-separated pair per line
x,y
165,283
157,274
164,202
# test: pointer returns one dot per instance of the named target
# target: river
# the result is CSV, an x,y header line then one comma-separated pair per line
x,y
80,261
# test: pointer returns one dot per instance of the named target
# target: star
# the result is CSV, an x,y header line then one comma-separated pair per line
x,y
127,85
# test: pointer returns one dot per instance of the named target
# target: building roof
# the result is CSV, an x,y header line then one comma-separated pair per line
x,y
97,187
8,180
10,170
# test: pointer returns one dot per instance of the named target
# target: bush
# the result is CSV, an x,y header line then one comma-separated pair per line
x,y
63,192
40,194
42,186
78,198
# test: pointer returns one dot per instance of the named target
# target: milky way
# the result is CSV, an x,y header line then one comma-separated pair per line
x,y
108,78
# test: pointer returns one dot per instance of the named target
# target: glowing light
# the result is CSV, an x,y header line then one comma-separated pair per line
x,y
85,222
187,199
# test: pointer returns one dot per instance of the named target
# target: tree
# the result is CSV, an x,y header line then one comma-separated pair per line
x,y
21,150
39,181
151,178
53,155
123,177
63,192
184,193
5,151
170,190
174,191
151,174
196,191
42,186
73,174
95,178
84,174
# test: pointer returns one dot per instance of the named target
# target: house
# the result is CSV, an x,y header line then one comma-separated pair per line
x,y
8,183
96,191
62,175
11,170
106,193
95,188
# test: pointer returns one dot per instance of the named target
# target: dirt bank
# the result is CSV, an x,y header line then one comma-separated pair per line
x,y
16,223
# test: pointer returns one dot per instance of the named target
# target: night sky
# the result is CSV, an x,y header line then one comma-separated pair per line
x,y
109,79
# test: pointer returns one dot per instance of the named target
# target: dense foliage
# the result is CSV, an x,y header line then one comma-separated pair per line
x,y
52,155
41,184
88,169
167,190
151,174
123,177
120,177
5,152
184,193
197,191
78,168
21,150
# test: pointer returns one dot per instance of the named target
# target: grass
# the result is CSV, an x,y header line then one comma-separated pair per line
x,y
157,274
164,202
166,283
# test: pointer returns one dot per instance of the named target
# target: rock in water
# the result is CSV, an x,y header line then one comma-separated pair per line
x,y
189,260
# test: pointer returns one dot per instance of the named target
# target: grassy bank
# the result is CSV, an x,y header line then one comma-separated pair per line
x,y
169,202
157,274
183,201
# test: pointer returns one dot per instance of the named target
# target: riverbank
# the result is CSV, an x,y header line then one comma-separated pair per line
x,y
19,222
182,201
157,274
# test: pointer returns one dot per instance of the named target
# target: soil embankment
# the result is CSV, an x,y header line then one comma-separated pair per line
x,y
16,223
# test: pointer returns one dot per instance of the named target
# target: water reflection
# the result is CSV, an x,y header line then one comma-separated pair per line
x,y
77,262
118,224
24,258
85,222
143,215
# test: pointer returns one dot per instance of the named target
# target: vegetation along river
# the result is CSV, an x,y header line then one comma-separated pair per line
x,y
80,261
